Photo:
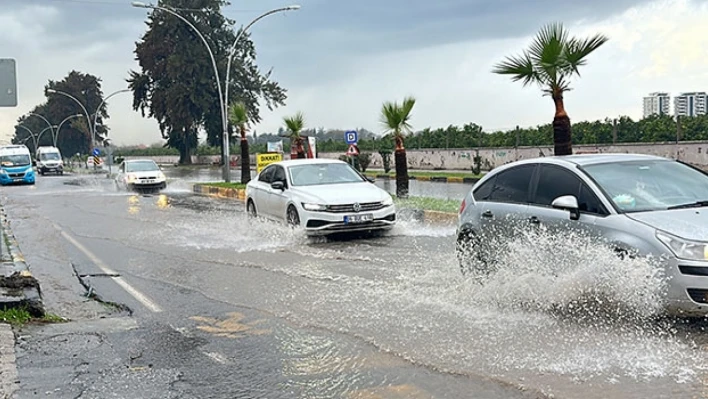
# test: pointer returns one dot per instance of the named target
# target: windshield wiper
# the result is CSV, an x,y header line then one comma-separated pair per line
x,y
697,204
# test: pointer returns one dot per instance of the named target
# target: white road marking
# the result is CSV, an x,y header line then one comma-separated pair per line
x,y
217,357
140,297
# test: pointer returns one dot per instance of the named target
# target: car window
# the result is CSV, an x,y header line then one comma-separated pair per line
x,y
484,191
555,181
324,173
513,185
266,176
142,166
279,174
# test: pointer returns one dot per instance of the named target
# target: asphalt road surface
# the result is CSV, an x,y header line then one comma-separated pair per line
x,y
179,296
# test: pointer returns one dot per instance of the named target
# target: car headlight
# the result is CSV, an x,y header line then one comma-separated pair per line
x,y
131,178
161,176
3,172
388,201
314,207
682,248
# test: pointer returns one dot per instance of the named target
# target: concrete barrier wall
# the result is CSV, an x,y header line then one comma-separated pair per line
x,y
693,152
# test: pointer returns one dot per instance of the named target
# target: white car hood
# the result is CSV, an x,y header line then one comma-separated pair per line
x,y
691,223
339,194
153,174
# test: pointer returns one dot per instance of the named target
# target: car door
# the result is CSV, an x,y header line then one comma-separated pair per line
x,y
555,181
262,190
504,203
278,199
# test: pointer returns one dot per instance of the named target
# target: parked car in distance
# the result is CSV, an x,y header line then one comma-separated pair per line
x,y
49,161
322,196
140,174
16,165
641,205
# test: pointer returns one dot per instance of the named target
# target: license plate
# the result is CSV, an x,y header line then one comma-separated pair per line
x,y
366,217
147,181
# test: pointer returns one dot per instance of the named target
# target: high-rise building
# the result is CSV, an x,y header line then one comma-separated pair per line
x,y
657,104
690,104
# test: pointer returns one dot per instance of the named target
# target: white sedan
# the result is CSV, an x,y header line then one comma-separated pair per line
x,y
322,196
140,174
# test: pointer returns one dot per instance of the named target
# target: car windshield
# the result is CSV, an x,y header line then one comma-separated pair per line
x,y
49,156
323,173
141,166
15,160
639,186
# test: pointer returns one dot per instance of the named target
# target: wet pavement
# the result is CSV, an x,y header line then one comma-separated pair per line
x,y
224,307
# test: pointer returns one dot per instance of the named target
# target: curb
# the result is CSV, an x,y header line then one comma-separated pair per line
x,y
440,217
20,278
220,192
436,179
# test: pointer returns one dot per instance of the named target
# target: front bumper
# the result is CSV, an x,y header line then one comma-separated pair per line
x,y
50,168
324,223
147,185
17,178
688,287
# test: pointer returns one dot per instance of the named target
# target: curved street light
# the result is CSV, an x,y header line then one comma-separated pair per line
x,y
232,52
56,137
43,118
32,136
39,136
223,98
95,115
88,118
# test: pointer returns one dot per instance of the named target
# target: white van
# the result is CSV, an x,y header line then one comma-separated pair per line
x,y
49,161
15,165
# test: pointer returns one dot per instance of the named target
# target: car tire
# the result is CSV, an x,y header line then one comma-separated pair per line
x,y
469,257
251,209
293,218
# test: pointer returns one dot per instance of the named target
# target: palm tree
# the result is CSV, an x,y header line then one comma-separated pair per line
x,y
395,117
550,62
295,124
238,116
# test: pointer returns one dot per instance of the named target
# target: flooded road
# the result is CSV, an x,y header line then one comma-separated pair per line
x,y
402,296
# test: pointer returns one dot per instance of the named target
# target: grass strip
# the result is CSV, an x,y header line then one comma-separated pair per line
x,y
225,185
429,204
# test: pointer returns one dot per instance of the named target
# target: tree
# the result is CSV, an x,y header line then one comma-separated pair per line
x,y
177,84
238,116
294,125
550,62
395,117
74,137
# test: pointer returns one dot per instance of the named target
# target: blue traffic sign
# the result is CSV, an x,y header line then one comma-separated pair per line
x,y
96,152
351,137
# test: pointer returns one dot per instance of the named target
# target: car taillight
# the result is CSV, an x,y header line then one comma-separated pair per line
x,y
462,206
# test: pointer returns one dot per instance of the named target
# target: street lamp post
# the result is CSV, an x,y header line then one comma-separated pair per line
x,y
232,52
95,115
56,137
223,98
34,139
44,119
39,136
88,118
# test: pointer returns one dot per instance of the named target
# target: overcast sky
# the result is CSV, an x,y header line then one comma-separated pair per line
x,y
339,60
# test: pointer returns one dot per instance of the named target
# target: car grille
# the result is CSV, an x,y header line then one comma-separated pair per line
x,y
16,175
348,208
698,295
694,270
148,178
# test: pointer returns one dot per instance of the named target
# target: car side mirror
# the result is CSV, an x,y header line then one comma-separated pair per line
x,y
278,185
568,203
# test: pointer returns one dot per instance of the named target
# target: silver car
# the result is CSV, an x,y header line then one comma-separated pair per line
x,y
641,205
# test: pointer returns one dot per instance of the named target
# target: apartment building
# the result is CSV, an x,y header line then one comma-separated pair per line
x,y
690,104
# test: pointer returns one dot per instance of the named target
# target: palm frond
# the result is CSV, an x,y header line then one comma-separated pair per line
x,y
238,115
295,123
520,68
577,50
395,117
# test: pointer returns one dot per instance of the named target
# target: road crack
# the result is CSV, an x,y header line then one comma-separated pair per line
x,y
91,292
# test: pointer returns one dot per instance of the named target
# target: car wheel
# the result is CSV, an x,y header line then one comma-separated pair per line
x,y
41,172
251,209
293,217
469,255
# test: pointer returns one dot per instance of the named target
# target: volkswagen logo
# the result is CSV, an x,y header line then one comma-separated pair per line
x,y
356,207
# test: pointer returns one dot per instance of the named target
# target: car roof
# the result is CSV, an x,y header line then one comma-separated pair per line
x,y
585,159
307,161
138,160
